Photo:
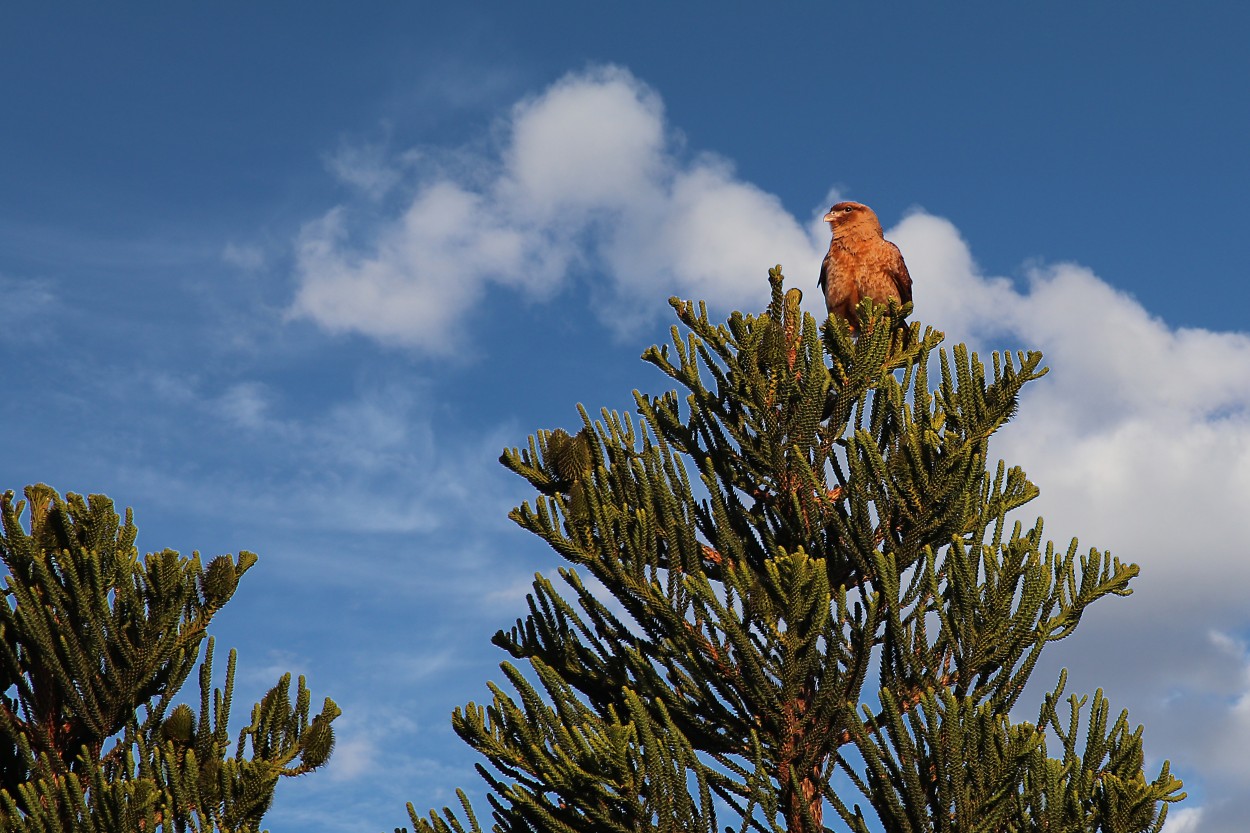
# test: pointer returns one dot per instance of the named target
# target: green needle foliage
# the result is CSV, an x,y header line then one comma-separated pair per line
x,y
808,606
95,643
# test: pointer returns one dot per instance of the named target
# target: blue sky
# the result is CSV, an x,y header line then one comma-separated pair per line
x,y
289,279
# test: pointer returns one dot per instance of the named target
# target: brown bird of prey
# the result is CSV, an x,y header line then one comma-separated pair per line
x,y
861,263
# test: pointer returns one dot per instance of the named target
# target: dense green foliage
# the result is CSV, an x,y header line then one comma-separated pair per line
x,y
830,622
95,643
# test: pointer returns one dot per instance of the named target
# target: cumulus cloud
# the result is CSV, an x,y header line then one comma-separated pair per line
x,y
1139,437
589,177
1140,441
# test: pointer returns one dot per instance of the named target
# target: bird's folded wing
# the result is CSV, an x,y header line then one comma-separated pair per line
x,y
899,274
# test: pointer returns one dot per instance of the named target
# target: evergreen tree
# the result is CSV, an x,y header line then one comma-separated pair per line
x,y
95,643
826,627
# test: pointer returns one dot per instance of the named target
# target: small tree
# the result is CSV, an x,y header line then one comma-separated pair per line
x,y
95,643
833,612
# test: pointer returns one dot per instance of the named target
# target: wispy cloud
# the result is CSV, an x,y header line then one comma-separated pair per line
x,y
372,456
377,460
366,166
24,305
589,179
247,258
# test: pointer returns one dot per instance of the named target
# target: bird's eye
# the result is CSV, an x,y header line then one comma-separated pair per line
x,y
848,209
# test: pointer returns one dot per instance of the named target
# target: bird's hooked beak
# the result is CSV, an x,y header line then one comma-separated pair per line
x,y
829,217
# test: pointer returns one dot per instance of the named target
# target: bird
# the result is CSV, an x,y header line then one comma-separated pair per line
x,y
861,263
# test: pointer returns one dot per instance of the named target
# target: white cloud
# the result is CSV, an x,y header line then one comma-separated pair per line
x,y
592,142
589,175
1140,442
427,268
1184,820
1139,437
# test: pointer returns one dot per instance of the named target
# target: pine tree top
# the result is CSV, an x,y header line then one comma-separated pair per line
x,y
804,577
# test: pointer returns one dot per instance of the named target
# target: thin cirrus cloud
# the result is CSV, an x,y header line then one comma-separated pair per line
x,y
26,303
373,456
587,178
1140,437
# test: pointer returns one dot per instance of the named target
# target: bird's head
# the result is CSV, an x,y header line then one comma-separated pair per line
x,y
851,219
